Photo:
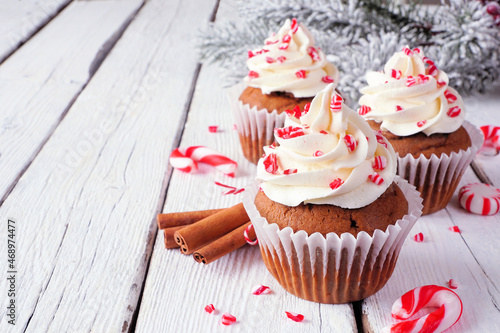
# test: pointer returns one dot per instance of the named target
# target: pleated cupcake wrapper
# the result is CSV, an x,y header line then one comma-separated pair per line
x,y
332,269
436,178
255,126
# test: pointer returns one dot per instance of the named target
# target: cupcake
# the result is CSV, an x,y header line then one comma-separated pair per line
x,y
329,213
284,75
412,105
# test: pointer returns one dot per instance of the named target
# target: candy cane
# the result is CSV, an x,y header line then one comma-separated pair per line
x,y
491,136
449,310
186,159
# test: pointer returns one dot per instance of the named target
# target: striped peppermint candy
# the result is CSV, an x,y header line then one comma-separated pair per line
x,y
379,162
407,51
350,142
336,103
187,159
364,109
313,53
395,73
410,81
247,238
449,96
294,26
432,70
454,112
448,312
482,199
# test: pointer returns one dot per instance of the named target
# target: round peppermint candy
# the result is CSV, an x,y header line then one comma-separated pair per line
x,y
482,199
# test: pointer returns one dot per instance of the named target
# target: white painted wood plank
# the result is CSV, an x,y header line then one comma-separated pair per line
x,y
41,80
469,258
86,207
21,19
178,288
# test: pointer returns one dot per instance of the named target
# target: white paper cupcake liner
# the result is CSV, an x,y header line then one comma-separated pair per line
x,y
436,178
332,269
255,126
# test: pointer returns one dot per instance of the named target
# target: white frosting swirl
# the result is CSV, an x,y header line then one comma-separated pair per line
x,y
412,96
314,164
289,62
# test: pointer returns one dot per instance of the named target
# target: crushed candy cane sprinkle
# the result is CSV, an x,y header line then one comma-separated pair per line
x,y
295,316
228,319
261,290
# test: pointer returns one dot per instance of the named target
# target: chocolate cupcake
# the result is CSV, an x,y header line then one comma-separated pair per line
x,y
412,105
284,75
330,216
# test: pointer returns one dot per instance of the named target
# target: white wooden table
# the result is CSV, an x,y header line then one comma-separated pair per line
x,y
94,95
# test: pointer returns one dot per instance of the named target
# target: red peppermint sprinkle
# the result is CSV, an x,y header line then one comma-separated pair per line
x,y
271,163
364,109
247,238
376,178
232,189
281,59
306,108
350,142
289,171
301,74
381,139
286,39
323,132
449,96
327,79
422,78
296,112
410,81
270,60
289,132
336,103
441,83
262,51
407,51
261,290
318,153
454,229
428,61
452,284
272,145
396,74
210,308
212,129
283,46
227,319
313,53
399,108
421,123
294,25
432,70
416,50
454,112
379,163
253,74
294,316
419,238
336,183
271,42
250,54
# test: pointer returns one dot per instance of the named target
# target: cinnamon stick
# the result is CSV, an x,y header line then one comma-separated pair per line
x,y
184,218
198,234
168,236
223,245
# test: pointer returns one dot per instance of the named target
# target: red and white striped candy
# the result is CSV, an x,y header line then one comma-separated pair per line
x,y
449,96
327,79
261,290
376,178
253,74
210,308
350,142
227,319
482,199
364,109
270,60
399,108
432,70
336,103
379,163
448,312
491,136
313,53
290,171
286,39
452,284
419,238
247,238
289,132
381,139
271,163
428,61
318,153
187,159
410,81
454,112
294,26
336,183
407,51
421,123
454,229
301,74
422,78
396,74
281,59
283,46
294,316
